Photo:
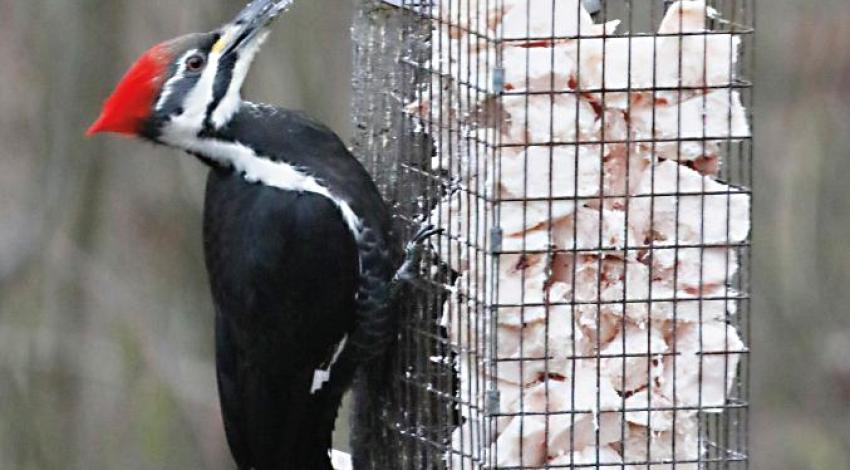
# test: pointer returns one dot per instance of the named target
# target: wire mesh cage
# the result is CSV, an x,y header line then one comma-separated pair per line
x,y
590,164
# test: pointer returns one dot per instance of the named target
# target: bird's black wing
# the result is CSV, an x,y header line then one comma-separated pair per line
x,y
284,270
295,138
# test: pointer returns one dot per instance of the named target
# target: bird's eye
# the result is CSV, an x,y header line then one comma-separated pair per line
x,y
195,63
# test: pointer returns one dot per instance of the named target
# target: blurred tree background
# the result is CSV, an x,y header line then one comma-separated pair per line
x,y
105,321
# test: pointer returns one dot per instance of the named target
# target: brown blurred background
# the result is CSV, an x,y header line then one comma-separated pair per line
x,y
105,322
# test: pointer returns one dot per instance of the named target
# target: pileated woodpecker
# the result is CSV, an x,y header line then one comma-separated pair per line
x,y
297,240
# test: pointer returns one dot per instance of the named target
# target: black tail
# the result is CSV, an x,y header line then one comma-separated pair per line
x,y
281,428
272,420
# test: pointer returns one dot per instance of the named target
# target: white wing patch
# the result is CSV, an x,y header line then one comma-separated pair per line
x,y
340,460
321,376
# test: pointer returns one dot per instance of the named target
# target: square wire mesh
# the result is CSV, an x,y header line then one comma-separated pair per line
x,y
590,162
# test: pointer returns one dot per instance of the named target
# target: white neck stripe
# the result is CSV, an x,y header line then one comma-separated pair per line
x,y
232,99
256,169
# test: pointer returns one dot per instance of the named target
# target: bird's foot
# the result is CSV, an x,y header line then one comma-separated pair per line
x,y
409,270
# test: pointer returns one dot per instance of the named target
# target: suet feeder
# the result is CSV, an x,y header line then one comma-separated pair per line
x,y
587,305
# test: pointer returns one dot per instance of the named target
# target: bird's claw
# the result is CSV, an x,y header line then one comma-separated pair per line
x,y
414,246
425,233
413,252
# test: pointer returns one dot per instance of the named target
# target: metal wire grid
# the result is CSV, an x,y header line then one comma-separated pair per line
x,y
445,407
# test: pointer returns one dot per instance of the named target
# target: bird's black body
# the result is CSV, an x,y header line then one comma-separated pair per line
x,y
285,272
298,243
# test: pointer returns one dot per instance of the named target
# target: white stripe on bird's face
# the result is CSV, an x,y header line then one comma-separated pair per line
x,y
170,85
195,110
190,122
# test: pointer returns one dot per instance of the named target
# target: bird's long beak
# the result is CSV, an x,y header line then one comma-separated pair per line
x,y
249,24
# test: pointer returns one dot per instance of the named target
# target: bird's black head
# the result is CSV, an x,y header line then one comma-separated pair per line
x,y
184,87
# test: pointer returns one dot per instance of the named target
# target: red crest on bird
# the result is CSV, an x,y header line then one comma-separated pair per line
x,y
130,104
